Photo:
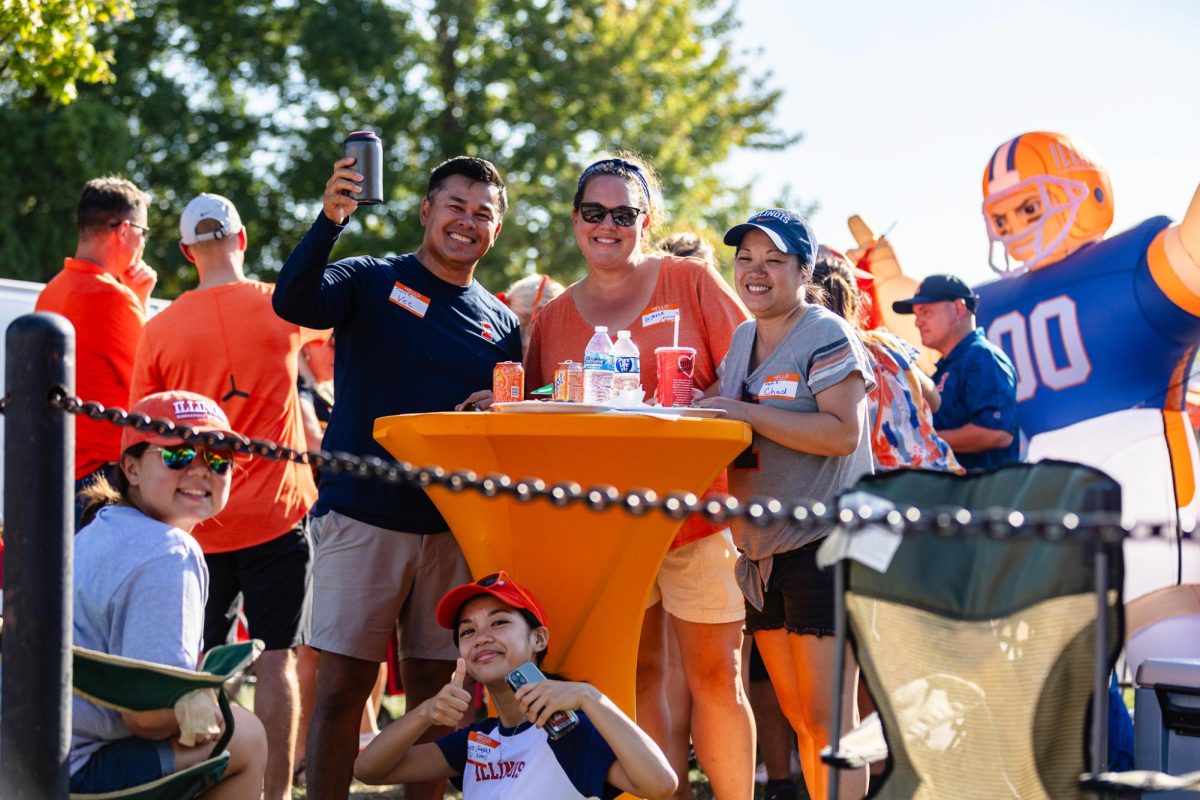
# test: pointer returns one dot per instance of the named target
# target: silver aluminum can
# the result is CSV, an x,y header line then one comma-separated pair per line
x,y
366,148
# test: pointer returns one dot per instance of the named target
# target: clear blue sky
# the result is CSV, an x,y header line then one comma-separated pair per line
x,y
901,105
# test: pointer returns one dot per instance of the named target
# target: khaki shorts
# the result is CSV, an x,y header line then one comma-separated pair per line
x,y
366,580
696,582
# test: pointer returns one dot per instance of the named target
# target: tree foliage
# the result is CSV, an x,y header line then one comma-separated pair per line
x,y
251,98
46,47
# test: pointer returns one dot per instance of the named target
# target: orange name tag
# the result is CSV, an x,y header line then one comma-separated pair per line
x,y
656,314
409,299
783,386
481,749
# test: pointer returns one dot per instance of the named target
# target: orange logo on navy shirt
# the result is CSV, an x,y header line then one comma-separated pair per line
x,y
488,332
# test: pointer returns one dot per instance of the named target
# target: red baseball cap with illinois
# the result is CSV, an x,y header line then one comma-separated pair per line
x,y
500,586
189,409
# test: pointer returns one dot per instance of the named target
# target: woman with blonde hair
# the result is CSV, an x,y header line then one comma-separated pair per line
x,y
631,286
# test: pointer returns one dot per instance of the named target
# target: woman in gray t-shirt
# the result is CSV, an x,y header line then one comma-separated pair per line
x,y
799,375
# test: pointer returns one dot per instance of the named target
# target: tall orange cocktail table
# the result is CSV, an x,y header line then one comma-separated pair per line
x,y
593,571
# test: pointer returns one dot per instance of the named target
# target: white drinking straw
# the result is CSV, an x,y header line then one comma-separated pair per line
x,y
676,343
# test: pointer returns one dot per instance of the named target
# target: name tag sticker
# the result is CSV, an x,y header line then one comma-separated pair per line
x,y
409,299
656,314
785,386
481,749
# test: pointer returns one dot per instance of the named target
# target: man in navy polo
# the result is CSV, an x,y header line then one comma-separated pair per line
x,y
978,415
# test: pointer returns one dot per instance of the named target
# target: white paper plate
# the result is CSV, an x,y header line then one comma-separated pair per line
x,y
659,411
559,407
548,407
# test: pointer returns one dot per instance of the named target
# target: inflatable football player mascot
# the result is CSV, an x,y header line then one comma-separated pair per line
x,y
1102,333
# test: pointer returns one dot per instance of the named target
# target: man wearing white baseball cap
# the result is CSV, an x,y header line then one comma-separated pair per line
x,y
209,217
224,341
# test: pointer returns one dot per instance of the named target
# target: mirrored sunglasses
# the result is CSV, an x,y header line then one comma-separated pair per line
x,y
182,455
624,216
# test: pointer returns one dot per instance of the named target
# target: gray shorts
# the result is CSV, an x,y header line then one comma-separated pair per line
x,y
367,580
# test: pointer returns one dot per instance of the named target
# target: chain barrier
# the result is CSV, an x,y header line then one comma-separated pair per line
x,y
996,523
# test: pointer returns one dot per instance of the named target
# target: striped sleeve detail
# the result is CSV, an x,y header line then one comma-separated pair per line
x,y
1173,271
831,363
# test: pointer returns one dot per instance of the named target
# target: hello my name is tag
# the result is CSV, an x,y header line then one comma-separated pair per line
x,y
656,314
481,749
409,299
782,386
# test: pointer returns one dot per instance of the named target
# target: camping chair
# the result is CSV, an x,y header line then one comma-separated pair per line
x,y
982,650
127,684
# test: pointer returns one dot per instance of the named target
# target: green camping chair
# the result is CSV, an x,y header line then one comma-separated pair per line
x,y
127,684
987,656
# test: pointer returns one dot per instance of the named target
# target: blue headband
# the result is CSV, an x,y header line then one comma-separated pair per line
x,y
604,167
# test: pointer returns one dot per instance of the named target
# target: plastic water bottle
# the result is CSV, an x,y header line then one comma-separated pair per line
x,y
598,367
627,364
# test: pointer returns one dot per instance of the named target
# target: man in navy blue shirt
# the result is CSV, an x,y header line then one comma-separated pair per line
x,y
414,333
978,415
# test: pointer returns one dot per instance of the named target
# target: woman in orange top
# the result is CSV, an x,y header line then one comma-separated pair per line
x,y
629,287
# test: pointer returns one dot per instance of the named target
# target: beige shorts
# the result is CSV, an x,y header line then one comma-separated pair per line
x,y
368,580
696,582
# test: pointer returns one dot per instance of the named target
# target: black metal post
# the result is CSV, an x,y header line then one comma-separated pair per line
x,y
1099,743
39,459
840,580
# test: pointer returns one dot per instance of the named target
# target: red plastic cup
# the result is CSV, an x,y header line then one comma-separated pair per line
x,y
676,375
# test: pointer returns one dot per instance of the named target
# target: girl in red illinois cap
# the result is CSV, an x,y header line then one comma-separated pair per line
x,y
498,626
139,592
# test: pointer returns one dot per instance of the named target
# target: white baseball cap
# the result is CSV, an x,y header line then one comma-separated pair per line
x,y
208,206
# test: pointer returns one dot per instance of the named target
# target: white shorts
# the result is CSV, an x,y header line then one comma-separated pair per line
x,y
696,582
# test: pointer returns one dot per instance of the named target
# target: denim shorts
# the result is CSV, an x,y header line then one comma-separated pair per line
x,y
799,596
122,764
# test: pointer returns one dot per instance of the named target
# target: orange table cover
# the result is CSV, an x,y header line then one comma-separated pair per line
x,y
592,571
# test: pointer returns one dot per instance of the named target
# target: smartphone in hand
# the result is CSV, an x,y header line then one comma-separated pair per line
x,y
561,722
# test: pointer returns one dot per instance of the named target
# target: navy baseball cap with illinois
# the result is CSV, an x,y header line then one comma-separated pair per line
x,y
500,586
787,230
937,289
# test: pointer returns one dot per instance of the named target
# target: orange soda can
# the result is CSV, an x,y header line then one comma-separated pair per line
x,y
508,382
560,381
574,380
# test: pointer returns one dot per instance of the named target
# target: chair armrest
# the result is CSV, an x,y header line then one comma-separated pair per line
x,y
228,660
127,684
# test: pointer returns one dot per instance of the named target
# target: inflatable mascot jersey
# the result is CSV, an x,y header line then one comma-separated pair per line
x,y
1102,333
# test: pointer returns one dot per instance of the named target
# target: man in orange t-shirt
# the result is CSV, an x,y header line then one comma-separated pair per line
x,y
224,340
103,291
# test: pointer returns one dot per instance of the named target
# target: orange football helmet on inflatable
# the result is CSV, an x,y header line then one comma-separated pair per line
x,y
1044,198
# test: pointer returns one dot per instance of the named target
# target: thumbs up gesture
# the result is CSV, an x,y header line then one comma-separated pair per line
x,y
448,706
